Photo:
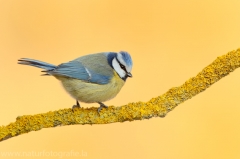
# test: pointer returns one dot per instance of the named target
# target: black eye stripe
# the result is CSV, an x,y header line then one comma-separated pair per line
x,y
122,66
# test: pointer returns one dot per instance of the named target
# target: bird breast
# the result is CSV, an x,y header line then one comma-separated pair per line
x,y
91,92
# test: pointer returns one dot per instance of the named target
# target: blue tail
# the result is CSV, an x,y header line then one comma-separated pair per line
x,y
31,62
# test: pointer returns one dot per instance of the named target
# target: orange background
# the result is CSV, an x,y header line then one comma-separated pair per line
x,y
170,41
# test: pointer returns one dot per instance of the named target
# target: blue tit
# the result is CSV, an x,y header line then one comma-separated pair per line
x,y
93,78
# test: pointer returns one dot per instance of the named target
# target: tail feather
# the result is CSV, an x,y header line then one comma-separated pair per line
x,y
31,62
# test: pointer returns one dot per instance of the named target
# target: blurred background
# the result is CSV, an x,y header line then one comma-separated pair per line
x,y
170,41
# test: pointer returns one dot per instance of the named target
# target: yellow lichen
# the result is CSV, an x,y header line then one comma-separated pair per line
x,y
156,107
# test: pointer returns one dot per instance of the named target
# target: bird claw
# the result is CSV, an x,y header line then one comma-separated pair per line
x,y
76,106
101,106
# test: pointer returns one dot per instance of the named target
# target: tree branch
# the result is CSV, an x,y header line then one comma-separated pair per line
x,y
156,107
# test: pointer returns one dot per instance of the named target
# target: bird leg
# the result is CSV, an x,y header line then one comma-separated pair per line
x,y
101,106
76,106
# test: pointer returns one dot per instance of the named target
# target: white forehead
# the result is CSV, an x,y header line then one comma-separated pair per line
x,y
121,60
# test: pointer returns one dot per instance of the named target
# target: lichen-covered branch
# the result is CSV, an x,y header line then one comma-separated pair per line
x,y
156,107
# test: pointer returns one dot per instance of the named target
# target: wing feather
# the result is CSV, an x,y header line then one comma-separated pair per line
x,y
89,69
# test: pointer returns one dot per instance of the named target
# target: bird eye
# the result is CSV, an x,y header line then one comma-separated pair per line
x,y
122,66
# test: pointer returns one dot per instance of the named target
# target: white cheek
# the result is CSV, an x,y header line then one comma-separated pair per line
x,y
118,69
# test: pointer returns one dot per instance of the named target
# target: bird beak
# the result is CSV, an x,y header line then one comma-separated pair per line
x,y
129,74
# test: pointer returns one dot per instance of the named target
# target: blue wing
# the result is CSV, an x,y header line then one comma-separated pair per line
x,y
75,69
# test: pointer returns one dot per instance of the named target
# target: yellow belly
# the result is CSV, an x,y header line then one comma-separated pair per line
x,y
90,92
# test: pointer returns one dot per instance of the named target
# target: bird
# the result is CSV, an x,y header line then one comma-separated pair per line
x,y
92,78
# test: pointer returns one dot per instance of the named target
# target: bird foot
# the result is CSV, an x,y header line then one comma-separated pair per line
x,y
101,106
76,106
